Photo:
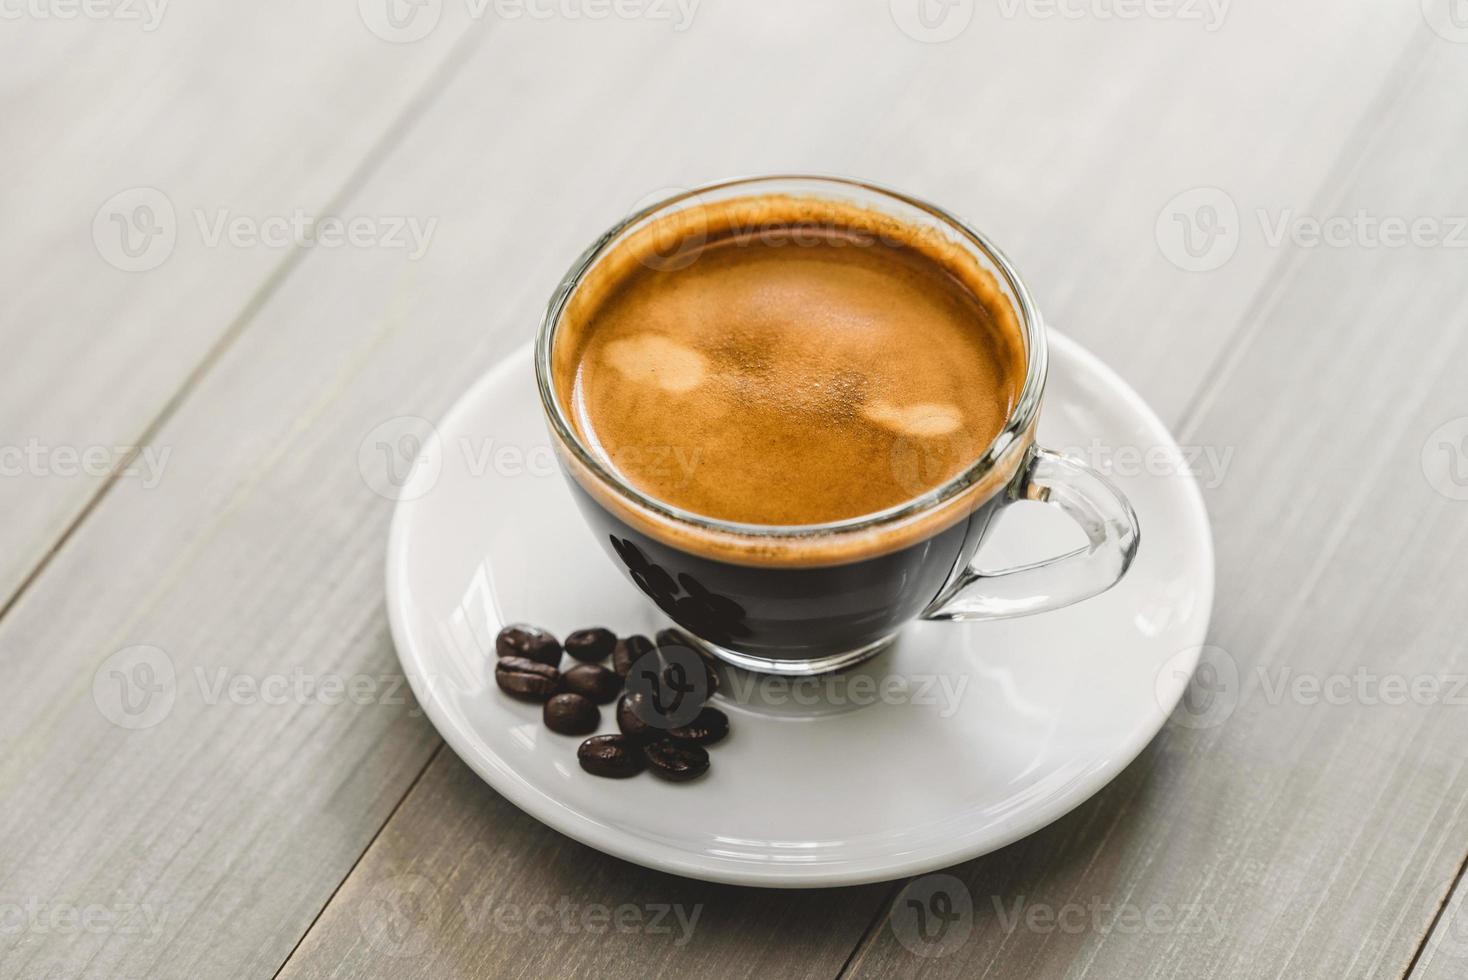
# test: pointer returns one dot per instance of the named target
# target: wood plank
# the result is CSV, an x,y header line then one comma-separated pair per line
x,y
1444,954
1296,833
257,110
259,555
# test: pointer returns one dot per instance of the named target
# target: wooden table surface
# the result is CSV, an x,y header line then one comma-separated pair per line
x,y
1254,211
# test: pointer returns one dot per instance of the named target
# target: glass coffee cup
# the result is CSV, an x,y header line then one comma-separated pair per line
x,y
803,599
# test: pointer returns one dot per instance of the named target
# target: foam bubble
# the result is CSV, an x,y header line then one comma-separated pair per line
x,y
650,358
923,420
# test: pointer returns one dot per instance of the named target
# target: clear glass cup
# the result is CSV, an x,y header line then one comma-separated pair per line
x,y
804,599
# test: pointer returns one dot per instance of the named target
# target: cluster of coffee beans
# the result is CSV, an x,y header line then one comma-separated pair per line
x,y
661,689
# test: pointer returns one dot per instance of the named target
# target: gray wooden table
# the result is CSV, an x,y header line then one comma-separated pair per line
x,y
1253,210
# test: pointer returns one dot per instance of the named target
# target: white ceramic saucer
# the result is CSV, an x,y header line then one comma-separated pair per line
x,y
960,739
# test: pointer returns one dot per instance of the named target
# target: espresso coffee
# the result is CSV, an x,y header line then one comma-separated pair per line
x,y
785,361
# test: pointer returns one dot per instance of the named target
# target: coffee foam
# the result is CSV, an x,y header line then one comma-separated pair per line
x,y
923,420
775,362
652,359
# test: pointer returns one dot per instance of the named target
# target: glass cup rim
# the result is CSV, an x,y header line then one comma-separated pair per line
x,y
1016,427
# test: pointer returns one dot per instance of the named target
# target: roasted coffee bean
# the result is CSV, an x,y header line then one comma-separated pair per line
x,y
613,756
676,761
530,642
592,681
670,639
628,651
631,722
571,714
525,679
591,645
710,672
668,692
710,726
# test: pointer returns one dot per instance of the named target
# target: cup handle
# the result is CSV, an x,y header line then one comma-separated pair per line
x,y
1092,502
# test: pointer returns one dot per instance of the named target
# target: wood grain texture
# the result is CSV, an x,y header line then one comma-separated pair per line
x,y
233,820
337,946
187,852
462,884
1304,816
1444,954
253,112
